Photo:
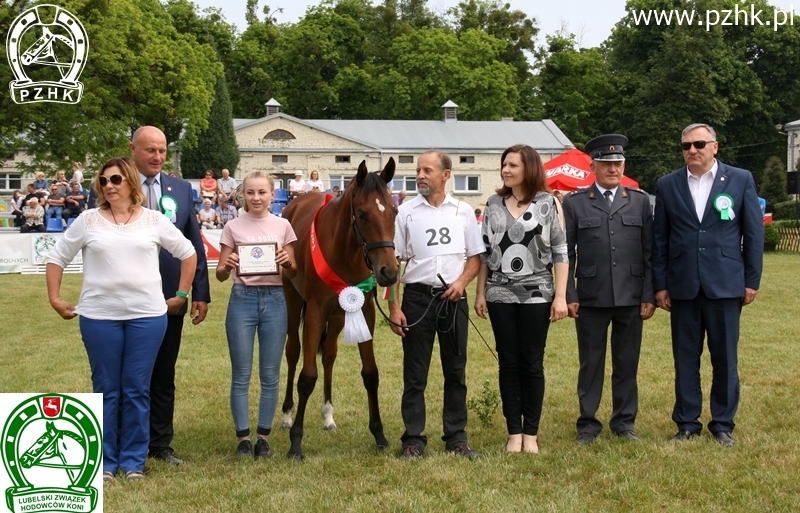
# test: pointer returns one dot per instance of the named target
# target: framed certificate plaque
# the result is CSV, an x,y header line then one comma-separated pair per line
x,y
255,259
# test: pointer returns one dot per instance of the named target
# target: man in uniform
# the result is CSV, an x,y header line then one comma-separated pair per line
x,y
609,239
434,233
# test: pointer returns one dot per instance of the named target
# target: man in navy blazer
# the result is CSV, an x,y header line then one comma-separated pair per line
x,y
173,197
708,242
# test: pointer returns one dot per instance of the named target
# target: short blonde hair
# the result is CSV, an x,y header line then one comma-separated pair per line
x,y
255,174
129,173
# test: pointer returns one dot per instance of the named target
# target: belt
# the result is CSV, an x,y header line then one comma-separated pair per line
x,y
424,289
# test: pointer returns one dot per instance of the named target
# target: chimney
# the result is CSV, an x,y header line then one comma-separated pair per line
x,y
450,110
273,107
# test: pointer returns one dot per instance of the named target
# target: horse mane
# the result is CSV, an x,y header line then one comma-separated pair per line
x,y
372,183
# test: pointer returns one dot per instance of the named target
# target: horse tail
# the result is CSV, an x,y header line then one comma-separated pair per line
x,y
322,338
324,334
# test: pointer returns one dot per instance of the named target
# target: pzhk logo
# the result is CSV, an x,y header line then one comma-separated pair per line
x,y
61,44
52,449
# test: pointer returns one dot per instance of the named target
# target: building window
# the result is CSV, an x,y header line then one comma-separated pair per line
x,y
405,159
280,159
467,183
342,159
10,181
405,183
341,180
279,135
467,160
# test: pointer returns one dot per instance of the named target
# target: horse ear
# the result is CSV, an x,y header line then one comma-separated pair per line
x,y
388,171
362,173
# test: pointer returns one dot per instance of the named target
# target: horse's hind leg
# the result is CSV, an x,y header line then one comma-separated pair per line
x,y
294,307
312,330
330,348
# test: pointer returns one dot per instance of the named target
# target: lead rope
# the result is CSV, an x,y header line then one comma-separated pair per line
x,y
438,316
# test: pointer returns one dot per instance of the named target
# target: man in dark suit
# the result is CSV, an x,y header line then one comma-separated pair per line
x,y
708,242
173,197
609,242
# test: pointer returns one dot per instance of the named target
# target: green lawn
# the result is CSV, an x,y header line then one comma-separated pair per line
x,y
344,472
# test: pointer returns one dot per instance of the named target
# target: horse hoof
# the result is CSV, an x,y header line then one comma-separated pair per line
x,y
382,447
286,425
296,456
329,427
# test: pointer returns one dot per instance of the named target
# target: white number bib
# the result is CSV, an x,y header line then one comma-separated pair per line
x,y
436,236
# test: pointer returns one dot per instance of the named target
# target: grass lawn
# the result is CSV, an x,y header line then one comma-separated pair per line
x,y
344,472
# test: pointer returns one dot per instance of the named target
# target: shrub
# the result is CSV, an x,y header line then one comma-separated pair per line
x,y
771,235
786,210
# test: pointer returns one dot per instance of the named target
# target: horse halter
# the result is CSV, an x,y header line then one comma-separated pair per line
x,y
365,246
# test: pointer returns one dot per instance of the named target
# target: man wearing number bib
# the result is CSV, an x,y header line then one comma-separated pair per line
x,y
434,234
708,242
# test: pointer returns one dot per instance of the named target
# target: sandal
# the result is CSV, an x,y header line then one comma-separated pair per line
x,y
108,476
134,475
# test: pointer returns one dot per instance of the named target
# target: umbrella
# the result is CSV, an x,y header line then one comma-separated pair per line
x,y
571,171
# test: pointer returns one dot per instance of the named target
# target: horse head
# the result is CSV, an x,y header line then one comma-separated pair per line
x,y
373,213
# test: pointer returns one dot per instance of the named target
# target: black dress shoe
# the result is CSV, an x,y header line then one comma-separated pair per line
x,y
167,455
684,434
585,438
724,438
463,449
628,435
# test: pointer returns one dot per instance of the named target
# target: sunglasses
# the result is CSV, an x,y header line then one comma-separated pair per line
x,y
697,144
114,179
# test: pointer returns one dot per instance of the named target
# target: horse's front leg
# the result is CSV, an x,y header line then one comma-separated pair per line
x,y
294,308
330,348
308,378
369,374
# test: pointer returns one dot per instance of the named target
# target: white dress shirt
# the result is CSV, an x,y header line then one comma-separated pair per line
x,y
424,270
603,192
701,188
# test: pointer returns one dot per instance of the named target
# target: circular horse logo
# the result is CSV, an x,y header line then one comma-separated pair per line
x,y
52,450
60,43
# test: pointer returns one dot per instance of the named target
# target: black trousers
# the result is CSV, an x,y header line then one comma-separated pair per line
x,y
626,343
417,351
162,386
520,334
693,320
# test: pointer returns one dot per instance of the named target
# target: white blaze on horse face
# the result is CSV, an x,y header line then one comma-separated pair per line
x,y
380,205
327,416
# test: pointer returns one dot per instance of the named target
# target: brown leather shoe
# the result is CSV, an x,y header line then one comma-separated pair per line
x,y
463,449
411,452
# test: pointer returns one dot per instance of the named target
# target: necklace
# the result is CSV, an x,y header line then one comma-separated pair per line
x,y
519,201
115,218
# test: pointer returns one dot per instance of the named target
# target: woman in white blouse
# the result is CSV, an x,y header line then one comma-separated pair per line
x,y
314,183
123,315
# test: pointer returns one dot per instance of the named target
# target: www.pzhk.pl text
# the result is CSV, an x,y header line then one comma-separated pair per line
x,y
740,15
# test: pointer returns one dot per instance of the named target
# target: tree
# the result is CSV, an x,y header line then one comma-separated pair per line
x,y
139,71
773,183
574,87
217,148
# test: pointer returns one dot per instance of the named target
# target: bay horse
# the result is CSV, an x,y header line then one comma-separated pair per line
x,y
356,238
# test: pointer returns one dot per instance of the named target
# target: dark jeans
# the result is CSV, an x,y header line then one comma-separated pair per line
x,y
520,334
417,351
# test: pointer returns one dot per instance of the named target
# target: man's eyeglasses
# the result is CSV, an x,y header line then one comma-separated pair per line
x,y
114,179
697,144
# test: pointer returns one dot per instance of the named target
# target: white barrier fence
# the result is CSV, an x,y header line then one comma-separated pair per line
x,y
27,253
